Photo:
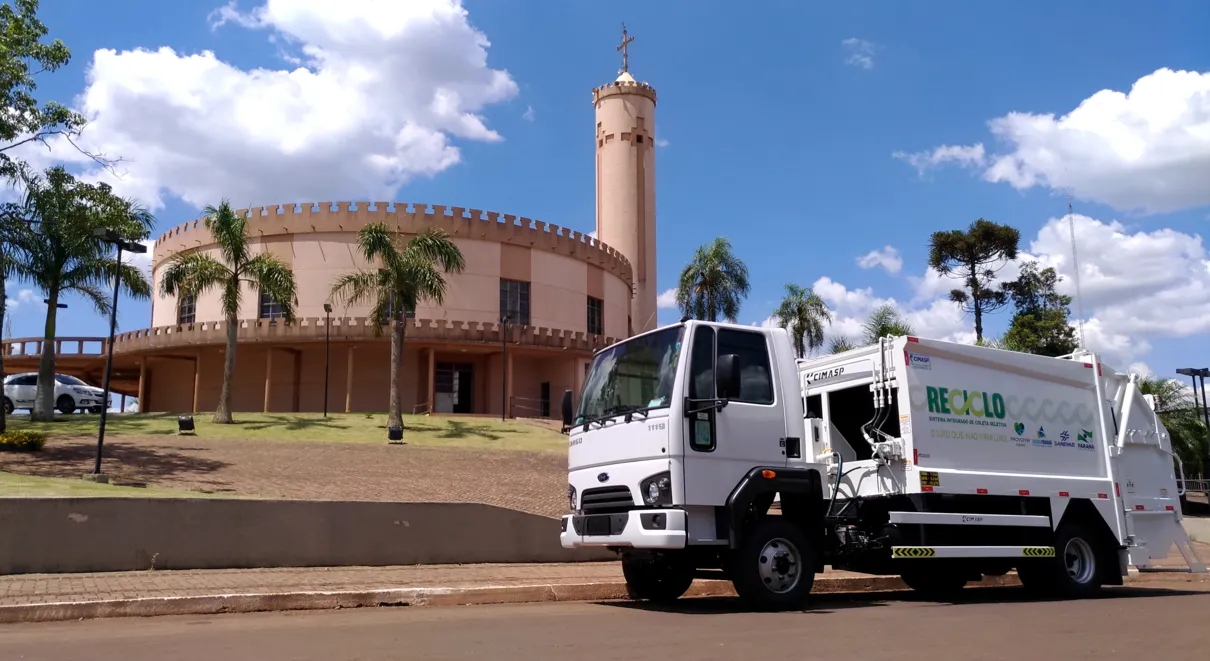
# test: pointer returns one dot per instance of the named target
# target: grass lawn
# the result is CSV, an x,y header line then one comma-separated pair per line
x,y
419,430
13,485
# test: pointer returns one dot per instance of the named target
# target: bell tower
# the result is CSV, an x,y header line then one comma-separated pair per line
x,y
625,135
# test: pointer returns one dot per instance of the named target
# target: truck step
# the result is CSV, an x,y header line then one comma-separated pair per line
x,y
924,552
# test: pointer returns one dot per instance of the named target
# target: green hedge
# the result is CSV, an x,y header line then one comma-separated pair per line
x,y
22,441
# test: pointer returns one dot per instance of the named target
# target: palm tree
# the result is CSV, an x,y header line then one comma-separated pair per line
x,y
883,321
234,269
1180,411
804,313
62,254
407,273
713,283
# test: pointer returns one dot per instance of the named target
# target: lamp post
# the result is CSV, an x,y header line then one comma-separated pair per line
x,y
1194,374
503,367
327,351
111,237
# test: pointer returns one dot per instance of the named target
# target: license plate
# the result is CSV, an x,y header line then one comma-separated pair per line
x,y
596,525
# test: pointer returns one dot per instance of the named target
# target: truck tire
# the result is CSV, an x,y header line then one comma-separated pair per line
x,y
660,581
934,581
1076,571
65,404
773,568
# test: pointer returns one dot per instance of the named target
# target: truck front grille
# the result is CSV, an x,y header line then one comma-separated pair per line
x,y
607,500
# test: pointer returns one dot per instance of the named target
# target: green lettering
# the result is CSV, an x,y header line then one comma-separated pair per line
x,y
998,405
931,393
944,399
953,395
987,409
979,412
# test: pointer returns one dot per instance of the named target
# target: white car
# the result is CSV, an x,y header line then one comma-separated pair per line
x,y
71,394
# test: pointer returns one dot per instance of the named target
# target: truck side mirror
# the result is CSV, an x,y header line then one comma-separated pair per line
x,y
727,374
566,408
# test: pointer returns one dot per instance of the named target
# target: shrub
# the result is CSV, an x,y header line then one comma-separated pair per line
x,y
22,441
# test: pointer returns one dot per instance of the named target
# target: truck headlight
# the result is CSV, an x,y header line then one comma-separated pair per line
x,y
657,489
571,497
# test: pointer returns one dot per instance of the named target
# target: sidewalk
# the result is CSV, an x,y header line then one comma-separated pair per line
x,y
47,597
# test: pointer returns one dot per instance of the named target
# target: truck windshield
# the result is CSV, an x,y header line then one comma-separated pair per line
x,y
635,375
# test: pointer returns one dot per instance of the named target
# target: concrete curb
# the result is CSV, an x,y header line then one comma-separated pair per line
x,y
287,601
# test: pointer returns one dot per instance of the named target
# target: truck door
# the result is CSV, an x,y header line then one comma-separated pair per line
x,y
724,442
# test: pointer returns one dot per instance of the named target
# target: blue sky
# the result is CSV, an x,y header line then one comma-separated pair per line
x,y
806,133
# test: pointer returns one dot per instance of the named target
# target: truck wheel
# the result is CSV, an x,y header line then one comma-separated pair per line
x,y
773,568
1074,573
933,582
65,404
659,581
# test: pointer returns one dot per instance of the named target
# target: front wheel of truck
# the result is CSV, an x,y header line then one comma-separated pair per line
x,y
660,580
773,568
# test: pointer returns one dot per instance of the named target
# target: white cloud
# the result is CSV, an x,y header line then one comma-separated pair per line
x,y
860,53
887,258
660,142
666,300
22,299
924,161
141,261
528,115
1143,150
386,89
938,319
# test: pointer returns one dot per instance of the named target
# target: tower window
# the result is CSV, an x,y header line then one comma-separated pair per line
x,y
186,310
269,308
514,301
596,316
638,139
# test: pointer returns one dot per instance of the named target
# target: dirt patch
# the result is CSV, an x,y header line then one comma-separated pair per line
x,y
527,481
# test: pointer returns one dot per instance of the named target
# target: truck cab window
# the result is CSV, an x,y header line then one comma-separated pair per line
x,y
756,378
701,386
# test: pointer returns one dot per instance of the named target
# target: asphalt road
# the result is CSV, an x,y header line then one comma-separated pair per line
x,y
1130,623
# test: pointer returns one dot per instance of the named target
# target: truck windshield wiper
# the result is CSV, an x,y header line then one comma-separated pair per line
x,y
629,410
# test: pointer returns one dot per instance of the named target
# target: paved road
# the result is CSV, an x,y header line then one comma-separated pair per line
x,y
1134,623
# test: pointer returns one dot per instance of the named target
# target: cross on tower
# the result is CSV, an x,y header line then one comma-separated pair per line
x,y
623,48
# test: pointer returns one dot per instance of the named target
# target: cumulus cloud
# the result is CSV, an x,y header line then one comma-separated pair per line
x,y
887,258
142,261
666,300
384,91
660,142
1146,150
858,53
23,298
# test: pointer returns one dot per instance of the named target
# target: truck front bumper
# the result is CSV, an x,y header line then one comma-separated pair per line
x,y
640,529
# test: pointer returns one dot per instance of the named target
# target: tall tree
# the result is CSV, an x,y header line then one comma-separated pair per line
x,y
23,56
407,271
975,255
1180,411
884,321
63,255
804,314
12,265
713,283
1040,323
230,272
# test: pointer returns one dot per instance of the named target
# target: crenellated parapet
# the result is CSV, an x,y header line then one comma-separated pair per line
x,y
623,87
346,329
408,218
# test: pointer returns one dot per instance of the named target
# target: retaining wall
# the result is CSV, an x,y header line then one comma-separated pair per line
x,y
60,535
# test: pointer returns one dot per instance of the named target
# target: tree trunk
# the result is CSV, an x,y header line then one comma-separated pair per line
x,y
222,413
3,411
44,401
393,414
977,304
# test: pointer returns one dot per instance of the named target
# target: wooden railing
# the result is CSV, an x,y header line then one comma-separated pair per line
x,y
85,347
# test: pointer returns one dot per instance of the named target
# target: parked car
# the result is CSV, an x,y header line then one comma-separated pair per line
x,y
71,394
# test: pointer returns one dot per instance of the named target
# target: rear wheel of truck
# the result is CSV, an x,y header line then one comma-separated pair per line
x,y
1074,573
933,581
660,580
773,568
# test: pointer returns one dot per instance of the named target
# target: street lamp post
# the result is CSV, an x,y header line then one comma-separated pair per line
x,y
504,367
111,237
327,351
1194,374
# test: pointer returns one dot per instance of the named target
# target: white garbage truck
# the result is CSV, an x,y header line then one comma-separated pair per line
x,y
708,450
